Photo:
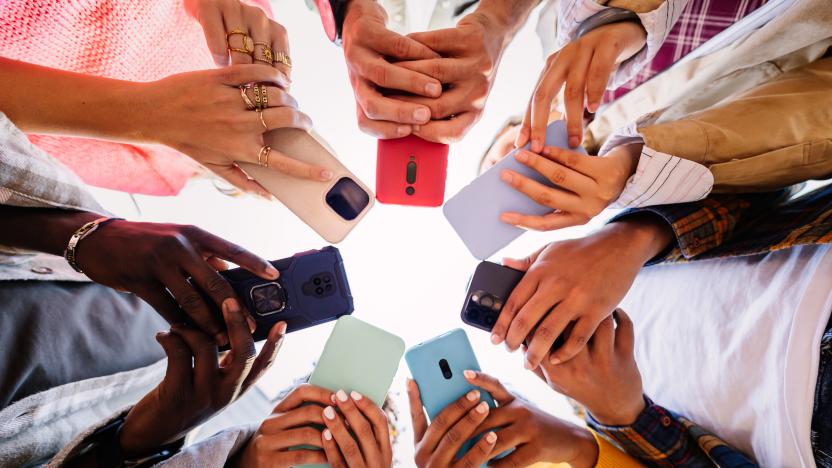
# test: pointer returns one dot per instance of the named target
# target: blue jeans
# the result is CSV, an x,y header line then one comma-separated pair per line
x,y
822,415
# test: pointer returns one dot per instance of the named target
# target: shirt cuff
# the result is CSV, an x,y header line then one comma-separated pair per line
x,y
660,178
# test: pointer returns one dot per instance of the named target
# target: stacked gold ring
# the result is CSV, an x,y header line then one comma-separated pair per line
x,y
268,53
248,43
263,156
249,105
282,57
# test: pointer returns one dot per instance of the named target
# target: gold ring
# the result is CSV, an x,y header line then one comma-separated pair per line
x,y
257,104
282,57
246,99
268,54
263,120
264,96
264,154
248,42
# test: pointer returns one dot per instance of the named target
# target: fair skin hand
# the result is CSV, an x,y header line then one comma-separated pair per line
x,y
582,68
438,443
577,280
586,185
289,426
370,50
357,435
535,435
604,376
470,54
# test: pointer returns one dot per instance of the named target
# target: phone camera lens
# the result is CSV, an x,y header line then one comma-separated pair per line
x,y
319,291
327,279
316,281
487,301
410,190
446,369
268,298
329,287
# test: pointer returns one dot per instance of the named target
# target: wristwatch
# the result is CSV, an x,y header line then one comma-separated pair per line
x,y
332,16
606,16
106,449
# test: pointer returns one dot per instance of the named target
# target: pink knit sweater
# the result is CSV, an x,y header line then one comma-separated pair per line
x,y
136,40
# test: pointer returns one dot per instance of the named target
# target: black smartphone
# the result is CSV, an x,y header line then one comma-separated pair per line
x,y
312,289
488,290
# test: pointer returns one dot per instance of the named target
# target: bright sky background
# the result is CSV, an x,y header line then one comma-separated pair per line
x,y
406,267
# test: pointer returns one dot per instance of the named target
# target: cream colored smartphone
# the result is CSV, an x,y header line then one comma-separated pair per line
x,y
330,208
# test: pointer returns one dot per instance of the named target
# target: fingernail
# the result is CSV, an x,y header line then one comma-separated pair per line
x,y
356,396
416,128
231,305
329,413
272,271
281,328
433,89
554,361
421,115
326,174
328,435
342,395
332,398
495,339
521,156
506,176
411,383
593,106
473,395
482,408
491,437
161,335
509,218
528,364
252,324
403,130
574,142
469,374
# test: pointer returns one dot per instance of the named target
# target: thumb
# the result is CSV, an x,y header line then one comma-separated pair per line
x,y
179,355
491,385
522,264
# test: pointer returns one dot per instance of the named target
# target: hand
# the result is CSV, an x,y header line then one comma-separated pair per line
x,y
370,445
576,280
154,260
535,435
604,376
438,444
288,426
368,49
586,185
471,53
584,67
203,115
219,17
195,387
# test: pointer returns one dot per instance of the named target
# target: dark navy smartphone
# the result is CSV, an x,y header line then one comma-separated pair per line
x,y
489,289
312,289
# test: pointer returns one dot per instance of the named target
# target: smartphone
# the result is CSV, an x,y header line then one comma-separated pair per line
x,y
474,212
332,208
437,365
312,289
411,171
488,290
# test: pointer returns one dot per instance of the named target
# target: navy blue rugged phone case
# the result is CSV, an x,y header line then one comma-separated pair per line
x,y
312,289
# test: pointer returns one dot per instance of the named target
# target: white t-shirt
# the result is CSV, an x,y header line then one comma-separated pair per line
x,y
734,344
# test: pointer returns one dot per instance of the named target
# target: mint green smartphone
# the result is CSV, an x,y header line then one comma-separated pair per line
x,y
358,357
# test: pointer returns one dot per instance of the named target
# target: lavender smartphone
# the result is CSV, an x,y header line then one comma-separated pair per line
x,y
474,212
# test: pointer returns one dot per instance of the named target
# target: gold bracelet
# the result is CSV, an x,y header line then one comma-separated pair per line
x,y
80,234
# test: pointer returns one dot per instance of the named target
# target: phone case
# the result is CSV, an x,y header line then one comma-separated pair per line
x,y
312,289
488,290
437,365
330,208
411,171
475,211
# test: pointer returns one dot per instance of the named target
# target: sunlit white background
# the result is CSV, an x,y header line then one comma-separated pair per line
x,y
406,267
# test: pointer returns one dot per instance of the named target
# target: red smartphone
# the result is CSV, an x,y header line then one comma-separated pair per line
x,y
411,171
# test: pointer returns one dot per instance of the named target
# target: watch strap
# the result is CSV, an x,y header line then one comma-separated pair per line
x,y
79,235
606,16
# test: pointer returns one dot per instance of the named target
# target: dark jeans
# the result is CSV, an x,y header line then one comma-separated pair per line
x,y
822,415
55,332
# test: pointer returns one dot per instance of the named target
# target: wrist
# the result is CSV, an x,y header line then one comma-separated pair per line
x,y
625,413
646,234
505,18
586,449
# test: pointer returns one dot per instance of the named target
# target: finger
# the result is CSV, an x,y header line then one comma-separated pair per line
x,y
529,316
292,438
525,131
234,253
237,75
155,295
525,455
417,413
206,366
444,70
212,284
447,419
459,433
548,87
300,457
550,328
624,333
548,222
238,178
523,264
388,76
379,422
346,444
378,107
560,175
292,167
217,263
602,342
268,353
598,76
333,453
391,44
232,17
481,452
283,117
450,103
490,385
276,97
212,26
510,437
304,393
447,131
554,198
574,96
524,290
446,41
178,373
298,417
280,43
242,356
381,129
590,166
194,306
361,427
584,328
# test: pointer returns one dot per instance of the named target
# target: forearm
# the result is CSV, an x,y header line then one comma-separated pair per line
x,y
45,100
509,15
40,229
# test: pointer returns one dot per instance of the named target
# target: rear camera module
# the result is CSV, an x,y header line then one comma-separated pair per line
x,y
268,298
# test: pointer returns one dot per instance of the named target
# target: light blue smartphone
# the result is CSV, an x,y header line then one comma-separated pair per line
x,y
474,212
437,365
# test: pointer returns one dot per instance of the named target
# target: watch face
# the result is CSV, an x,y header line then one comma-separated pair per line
x,y
327,18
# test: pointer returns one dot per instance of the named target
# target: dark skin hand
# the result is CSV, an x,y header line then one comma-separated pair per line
x,y
147,259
